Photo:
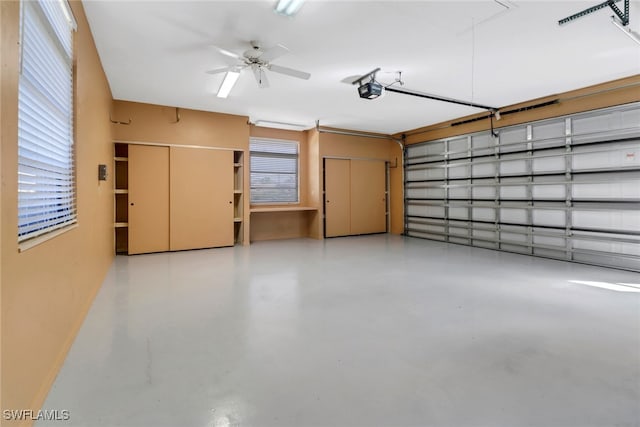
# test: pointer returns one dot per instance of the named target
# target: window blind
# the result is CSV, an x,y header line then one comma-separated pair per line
x,y
46,185
274,171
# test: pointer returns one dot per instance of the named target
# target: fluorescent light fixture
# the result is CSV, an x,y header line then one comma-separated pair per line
x,y
628,31
280,125
288,7
227,84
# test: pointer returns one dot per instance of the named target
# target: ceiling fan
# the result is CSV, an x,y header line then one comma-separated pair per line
x,y
259,60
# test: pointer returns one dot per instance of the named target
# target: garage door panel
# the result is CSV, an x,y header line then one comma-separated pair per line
x,y
549,217
434,171
484,214
484,192
513,167
627,189
458,213
627,221
513,237
425,193
513,192
459,192
513,216
549,161
484,169
548,134
513,139
459,170
549,191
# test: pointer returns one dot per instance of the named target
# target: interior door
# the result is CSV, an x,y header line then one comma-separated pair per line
x,y
201,188
368,198
337,207
148,199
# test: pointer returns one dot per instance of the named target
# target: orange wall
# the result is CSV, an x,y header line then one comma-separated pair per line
x,y
47,290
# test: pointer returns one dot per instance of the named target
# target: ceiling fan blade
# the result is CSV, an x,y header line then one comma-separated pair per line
x,y
228,53
261,77
275,52
220,70
289,71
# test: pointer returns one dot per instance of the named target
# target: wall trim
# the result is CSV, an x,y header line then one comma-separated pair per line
x,y
164,144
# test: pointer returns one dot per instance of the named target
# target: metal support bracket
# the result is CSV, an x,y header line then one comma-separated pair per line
x,y
118,122
624,17
177,116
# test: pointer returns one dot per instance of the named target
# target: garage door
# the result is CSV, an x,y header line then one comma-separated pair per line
x,y
565,188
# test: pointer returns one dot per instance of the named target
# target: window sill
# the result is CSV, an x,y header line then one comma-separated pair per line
x,y
28,244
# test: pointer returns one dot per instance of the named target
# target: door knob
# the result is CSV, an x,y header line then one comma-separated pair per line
x,y
131,203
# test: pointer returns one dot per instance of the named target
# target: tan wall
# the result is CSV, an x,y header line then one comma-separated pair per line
x,y
616,92
158,124
47,290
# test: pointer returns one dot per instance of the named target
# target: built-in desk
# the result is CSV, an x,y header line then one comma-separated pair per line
x,y
282,209
281,222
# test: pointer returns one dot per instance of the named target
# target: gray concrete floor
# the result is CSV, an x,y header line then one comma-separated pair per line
x,y
364,331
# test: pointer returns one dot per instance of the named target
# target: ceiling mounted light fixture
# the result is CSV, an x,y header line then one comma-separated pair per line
x,y
288,7
227,84
280,125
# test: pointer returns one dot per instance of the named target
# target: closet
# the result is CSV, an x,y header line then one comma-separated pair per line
x,y
172,198
355,199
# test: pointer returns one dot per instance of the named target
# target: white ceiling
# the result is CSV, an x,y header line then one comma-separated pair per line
x,y
158,51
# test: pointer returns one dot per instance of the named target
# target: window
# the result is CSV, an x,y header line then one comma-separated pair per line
x,y
274,171
46,184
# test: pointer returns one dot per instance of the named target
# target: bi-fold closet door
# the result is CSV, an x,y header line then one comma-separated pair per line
x,y
179,198
355,197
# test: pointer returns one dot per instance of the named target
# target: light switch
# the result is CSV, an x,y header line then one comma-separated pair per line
x,y
102,172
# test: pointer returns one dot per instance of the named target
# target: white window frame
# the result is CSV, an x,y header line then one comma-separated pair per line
x,y
46,149
272,202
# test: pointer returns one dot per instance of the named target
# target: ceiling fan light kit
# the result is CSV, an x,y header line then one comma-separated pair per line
x,y
227,84
259,61
288,7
